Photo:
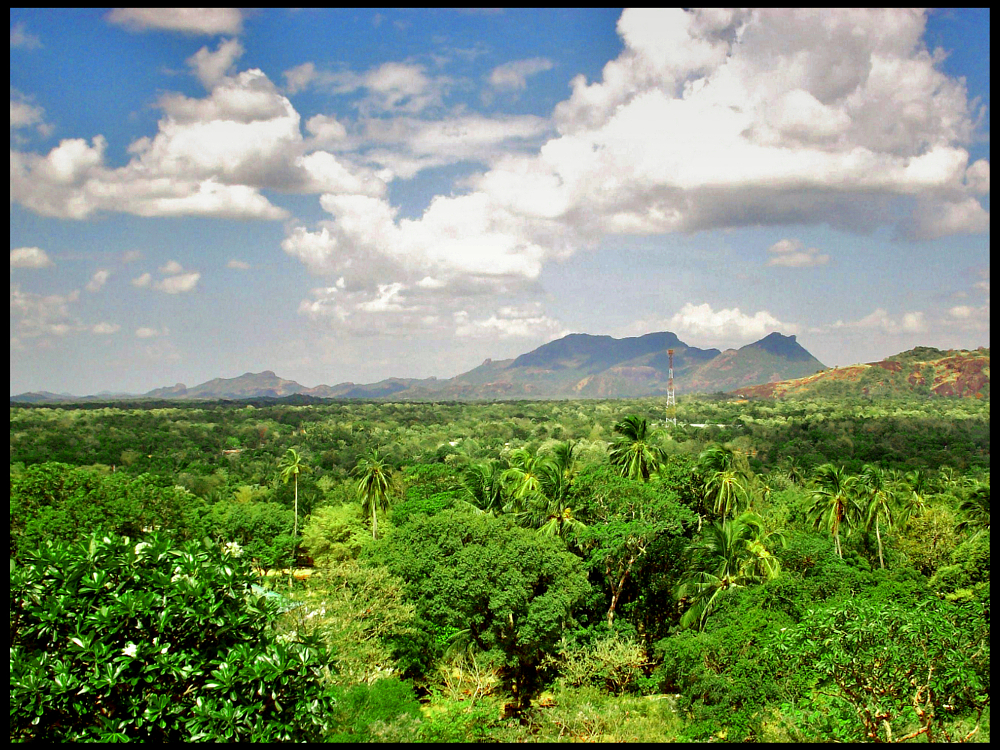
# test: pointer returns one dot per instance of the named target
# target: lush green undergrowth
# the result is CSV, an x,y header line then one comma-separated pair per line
x,y
569,571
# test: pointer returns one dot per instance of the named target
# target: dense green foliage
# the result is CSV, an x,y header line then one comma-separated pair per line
x,y
507,590
114,640
54,501
803,570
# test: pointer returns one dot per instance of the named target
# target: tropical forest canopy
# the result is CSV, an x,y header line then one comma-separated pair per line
x,y
814,569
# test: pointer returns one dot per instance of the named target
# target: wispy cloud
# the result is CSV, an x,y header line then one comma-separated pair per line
x,y
790,253
20,38
514,75
185,20
105,329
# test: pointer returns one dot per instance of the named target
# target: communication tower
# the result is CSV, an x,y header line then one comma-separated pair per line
x,y
672,409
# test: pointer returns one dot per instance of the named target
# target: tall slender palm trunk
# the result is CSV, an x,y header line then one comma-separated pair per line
x,y
879,544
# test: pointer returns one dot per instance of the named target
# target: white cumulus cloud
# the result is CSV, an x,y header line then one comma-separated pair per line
x,y
211,67
179,284
33,315
29,257
527,321
171,267
211,156
98,280
728,326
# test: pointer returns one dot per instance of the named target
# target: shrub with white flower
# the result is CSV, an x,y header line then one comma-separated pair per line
x,y
81,614
232,549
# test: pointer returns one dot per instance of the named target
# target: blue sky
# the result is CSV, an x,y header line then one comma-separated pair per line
x,y
348,195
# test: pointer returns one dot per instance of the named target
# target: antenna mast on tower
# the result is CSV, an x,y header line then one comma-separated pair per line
x,y
672,408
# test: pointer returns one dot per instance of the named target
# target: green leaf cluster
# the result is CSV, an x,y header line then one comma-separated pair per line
x,y
119,640
509,590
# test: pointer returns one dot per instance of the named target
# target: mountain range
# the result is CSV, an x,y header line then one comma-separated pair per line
x,y
576,366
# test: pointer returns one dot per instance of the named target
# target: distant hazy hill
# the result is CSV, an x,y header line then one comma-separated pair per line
x,y
585,366
248,385
382,389
922,370
40,397
575,366
773,358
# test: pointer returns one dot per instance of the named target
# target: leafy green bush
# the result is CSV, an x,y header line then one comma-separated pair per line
x,y
588,714
358,610
385,711
613,661
334,533
53,501
403,512
969,570
116,640
898,671
263,530
464,721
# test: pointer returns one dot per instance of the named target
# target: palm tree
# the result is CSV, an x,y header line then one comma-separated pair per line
x,y
880,502
523,479
913,489
551,512
976,508
539,488
565,459
484,486
948,479
715,458
724,485
834,501
727,490
793,472
373,486
918,482
732,552
290,467
634,452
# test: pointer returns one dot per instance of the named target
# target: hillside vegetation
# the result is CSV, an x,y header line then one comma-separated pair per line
x,y
919,371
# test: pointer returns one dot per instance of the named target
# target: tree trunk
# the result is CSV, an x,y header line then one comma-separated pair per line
x,y
617,589
295,511
295,532
879,545
375,522
837,537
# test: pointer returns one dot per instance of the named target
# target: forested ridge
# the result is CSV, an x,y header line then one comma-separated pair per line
x,y
812,569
